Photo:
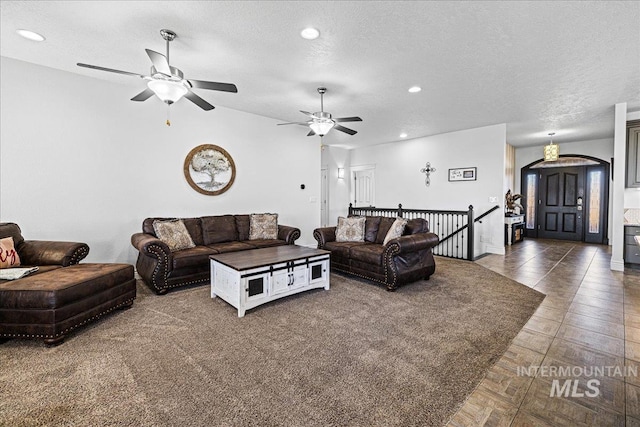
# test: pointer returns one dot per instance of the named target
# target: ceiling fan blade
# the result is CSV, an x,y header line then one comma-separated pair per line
x,y
347,119
345,130
307,113
311,133
144,95
224,87
294,123
199,101
111,70
159,62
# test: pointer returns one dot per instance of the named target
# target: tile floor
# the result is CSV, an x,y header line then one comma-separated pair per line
x,y
590,319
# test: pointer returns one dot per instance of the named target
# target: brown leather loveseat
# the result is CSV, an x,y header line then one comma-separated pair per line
x,y
402,260
163,269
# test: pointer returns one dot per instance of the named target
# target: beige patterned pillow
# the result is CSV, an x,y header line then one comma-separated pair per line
x,y
350,229
396,230
174,234
263,226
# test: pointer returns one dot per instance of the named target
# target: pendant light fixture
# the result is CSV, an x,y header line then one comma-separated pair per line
x,y
551,151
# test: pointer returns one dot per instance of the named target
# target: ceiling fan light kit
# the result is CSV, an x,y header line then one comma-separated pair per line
x,y
168,91
167,82
323,124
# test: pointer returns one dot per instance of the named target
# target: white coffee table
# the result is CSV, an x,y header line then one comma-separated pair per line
x,y
247,279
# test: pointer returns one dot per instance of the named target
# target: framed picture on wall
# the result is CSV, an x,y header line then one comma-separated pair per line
x,y
462,174
209,169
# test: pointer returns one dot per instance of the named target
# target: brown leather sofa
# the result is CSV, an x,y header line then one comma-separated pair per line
x,y
402,260
63,294
163,270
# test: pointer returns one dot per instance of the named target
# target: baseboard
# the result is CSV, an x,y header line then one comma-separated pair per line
x,y
498,250
617,265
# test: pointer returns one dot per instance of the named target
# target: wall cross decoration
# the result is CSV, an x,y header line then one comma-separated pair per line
x,y
427,171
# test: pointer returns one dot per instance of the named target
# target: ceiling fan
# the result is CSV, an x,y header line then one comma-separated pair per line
x,y
167,82
321,122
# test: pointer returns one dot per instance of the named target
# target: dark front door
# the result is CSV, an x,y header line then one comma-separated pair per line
x,y
561,203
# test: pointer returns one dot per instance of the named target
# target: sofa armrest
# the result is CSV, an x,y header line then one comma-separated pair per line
x,y
155,261
409,258
412,243
150,245
44,252
324,235
288,234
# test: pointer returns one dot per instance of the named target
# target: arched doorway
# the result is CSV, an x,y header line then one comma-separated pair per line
x,y
567,199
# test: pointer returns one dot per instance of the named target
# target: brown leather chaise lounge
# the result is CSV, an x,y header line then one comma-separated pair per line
x,y
63,294
402,260
163,269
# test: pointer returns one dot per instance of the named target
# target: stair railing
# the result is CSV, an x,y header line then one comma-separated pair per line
x,y
455,229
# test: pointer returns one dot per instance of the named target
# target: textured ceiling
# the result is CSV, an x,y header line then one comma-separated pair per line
x,y
538,66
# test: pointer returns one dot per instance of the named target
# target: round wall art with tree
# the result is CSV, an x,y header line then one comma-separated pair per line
x,y
209,169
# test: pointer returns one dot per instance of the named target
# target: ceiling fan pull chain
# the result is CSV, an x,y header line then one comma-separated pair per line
x,y
168,123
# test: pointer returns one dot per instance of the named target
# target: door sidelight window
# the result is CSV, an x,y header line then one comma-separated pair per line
x,y
595,185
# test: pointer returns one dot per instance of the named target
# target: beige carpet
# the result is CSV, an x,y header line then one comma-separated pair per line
x,y
354,355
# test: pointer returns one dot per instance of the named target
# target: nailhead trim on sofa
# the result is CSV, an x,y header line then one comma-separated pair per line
x,y
69,329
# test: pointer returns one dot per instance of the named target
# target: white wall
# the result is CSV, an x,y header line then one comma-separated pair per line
x,y
334,158
80,162
510,169
398,178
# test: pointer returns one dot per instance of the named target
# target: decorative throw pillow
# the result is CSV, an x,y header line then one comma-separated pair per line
x,y
396,230
383,228
174,233
8,256
263,226
350,229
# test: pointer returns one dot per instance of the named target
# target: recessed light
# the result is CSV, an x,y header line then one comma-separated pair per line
x,y
30,35
403,135
310,33
415,89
